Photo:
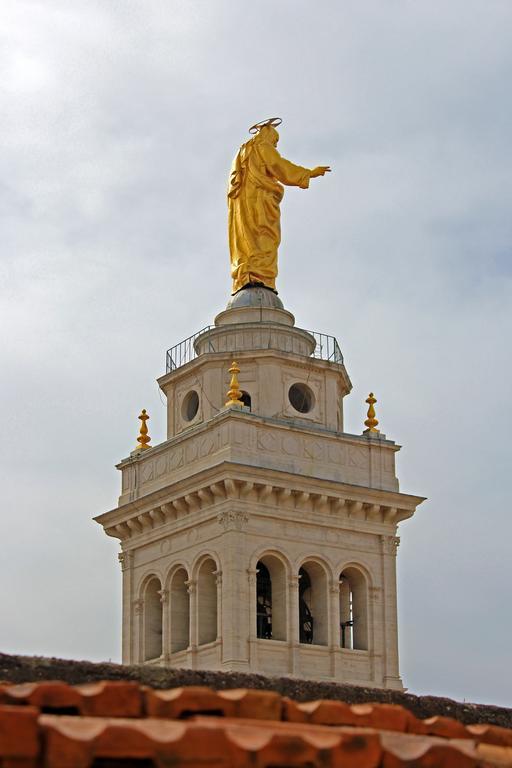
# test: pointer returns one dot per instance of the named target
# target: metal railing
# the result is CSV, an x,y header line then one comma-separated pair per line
x,y
326,348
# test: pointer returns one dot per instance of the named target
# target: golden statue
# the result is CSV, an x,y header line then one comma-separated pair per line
x,y
254,195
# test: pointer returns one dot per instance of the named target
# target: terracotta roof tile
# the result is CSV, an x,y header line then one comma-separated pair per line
x,y
18,734
184,702
56,725
391,717
104,699
490,734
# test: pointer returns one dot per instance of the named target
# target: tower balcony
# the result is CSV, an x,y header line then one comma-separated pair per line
x,y
263,335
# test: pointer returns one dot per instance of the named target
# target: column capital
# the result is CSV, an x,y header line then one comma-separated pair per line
x,y
390,544
218,577
125,559
138,606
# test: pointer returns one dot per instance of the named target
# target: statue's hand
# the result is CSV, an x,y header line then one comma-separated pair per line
x,y
320,170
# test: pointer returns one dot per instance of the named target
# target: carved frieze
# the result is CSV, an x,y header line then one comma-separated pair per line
x,y
334,457
233,519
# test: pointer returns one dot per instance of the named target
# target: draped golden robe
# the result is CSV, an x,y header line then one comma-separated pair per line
x,y
254,195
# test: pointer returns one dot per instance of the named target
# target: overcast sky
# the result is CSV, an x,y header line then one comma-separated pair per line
x,y
119,121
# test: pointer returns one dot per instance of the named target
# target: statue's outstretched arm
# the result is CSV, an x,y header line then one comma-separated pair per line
x,y
284,171
288,173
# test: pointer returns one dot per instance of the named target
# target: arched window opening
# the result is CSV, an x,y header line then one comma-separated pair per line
x,y
263,603
353,610
180,611
271,598
313,617
207,601
152,620
246,399
305,616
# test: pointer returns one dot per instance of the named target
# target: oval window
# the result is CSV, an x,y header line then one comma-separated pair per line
x,y
301,398
190,405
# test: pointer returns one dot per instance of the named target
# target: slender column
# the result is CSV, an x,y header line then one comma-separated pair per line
x,y
253,635
128,629
293,623
218,582
166,638
192,649
334,625
138,634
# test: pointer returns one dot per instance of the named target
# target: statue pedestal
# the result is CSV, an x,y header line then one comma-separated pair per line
x,y
255,305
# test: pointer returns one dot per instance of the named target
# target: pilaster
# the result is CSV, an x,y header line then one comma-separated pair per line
x,y
126,561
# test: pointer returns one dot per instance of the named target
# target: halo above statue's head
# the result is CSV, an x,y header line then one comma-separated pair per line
x,y
273,121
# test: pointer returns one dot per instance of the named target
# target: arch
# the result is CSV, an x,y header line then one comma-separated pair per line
x,y
353,608
207,600
264,551
271,584
313,603
152,618
179,600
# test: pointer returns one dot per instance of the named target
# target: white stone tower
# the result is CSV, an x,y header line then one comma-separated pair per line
x,y
261,537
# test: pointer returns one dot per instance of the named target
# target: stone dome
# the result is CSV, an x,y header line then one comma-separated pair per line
x,y
255,296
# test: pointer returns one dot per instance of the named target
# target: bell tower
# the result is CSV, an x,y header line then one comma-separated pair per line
x,y
261,536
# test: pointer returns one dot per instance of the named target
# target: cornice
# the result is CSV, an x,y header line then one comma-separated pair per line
x,y
240,485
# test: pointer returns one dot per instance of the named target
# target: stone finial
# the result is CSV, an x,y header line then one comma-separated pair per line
x,y
143,438
234,393
371,422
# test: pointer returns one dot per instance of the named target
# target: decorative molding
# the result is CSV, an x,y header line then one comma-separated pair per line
x,y
164,595
231,519
126,560
271,495
334,452
218,578
138,606
390,544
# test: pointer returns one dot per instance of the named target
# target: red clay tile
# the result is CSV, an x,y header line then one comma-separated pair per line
x,y
185,702
110,699
76,742
491,754
427,752
490,734
103,699
47,696
274,743
259,705
446,727
18,734
390,717
325,712
176,703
